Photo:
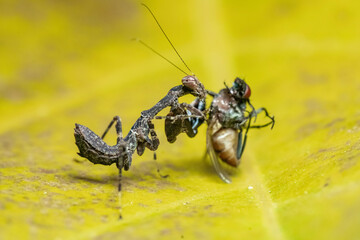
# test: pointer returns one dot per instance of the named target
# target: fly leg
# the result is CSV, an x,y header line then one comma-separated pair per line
x,y
253,110
211,93
240,146
194,108
190,124
256,112
242,142
198,104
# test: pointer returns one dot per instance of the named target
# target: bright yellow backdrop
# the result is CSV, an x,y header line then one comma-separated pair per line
x,y
63,62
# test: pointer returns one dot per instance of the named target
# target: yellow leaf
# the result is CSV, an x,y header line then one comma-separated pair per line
x,y
64,62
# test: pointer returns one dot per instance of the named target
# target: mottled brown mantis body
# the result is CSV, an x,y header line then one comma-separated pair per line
x,y
142,134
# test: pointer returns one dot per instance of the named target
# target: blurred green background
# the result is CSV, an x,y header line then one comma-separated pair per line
x,y
63,62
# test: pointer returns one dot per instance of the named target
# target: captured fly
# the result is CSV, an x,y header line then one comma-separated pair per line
x,y
228,124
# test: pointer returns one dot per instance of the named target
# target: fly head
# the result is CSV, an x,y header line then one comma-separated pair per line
x,y
240,90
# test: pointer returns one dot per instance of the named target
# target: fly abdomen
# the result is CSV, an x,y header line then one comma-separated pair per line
x,y
225,143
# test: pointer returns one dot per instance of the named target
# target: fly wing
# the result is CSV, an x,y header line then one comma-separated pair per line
x,y
214,157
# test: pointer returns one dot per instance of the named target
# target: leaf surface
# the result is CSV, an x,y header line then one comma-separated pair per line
x,y
63,64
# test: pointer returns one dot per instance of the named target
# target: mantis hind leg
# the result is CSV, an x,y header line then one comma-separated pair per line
x,y
119,193
118,128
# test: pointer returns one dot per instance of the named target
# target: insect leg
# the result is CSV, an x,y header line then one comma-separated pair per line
x,y
240,149
119,193
158,168
144,141
272,122
177,117
174,123
195,108
154,142
211,93
253,110
200,105
264,125
239,153
118,127
192,109
183,117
